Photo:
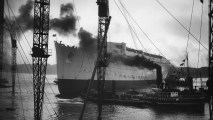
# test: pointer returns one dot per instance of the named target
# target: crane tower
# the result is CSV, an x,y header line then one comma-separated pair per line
x,y
13,59
103,25
210,81
1,35
40,53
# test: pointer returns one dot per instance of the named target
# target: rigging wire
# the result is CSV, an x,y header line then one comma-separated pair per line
x,y
19,25
46,80
148,38
26,56
180,23
28,61
131,29
134,31
190,24
201,23
22,104
28,90
129,24
32,83
26,40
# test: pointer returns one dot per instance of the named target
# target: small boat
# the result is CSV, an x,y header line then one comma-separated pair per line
x,y
175,97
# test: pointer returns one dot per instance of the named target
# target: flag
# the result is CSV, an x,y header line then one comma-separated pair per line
x,y
201,1
54,35
184,60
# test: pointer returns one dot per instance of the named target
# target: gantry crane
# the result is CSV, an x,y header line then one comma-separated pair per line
x,y
40,53
1,36
103,25
101,63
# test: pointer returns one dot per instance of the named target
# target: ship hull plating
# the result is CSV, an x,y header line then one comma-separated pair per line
x,y
74,87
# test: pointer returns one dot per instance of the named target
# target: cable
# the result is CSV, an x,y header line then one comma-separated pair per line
x,y
129,24
45,94
149,39
44,91
131,29
19,25
179,23
22,47
190,24
21,95
201,23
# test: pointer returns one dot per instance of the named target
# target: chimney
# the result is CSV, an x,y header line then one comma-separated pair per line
x,y
159,76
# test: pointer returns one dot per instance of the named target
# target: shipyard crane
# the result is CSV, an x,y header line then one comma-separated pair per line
x,y
101,63
40,53
103,25
13,59
210,81
1,36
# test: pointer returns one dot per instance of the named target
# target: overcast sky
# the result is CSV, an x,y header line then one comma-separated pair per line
x,y
165,32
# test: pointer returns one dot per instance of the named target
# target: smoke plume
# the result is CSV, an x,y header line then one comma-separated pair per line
x,y
87,42
67,22
136,61
64,25
24,19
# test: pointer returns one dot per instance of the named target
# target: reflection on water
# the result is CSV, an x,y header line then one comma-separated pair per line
x,y
117,112
69,109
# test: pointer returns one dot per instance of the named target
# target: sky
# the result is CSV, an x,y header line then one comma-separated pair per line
x,y
159,26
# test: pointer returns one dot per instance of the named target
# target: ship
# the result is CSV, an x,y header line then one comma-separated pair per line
x,y
124,71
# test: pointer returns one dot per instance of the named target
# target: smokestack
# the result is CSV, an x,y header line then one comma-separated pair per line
x,y
159,76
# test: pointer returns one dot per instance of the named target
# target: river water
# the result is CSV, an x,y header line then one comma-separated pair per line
x,y
20,106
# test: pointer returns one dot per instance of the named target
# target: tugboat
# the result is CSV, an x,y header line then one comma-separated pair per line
x,y
176,91
172,91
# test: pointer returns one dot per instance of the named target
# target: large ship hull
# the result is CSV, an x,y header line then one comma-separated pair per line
x,y
74,87
75,66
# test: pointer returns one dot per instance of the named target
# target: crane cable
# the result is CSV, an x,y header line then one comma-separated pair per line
x,y
132,29
23,35
180,23
29,71
201,23
150,39
190,24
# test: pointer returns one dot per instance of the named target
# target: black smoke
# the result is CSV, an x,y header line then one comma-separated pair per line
x,y
87,42
136,61
66,9
66,24
24,19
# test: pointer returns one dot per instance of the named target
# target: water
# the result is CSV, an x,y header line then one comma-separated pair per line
x,y
20,106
